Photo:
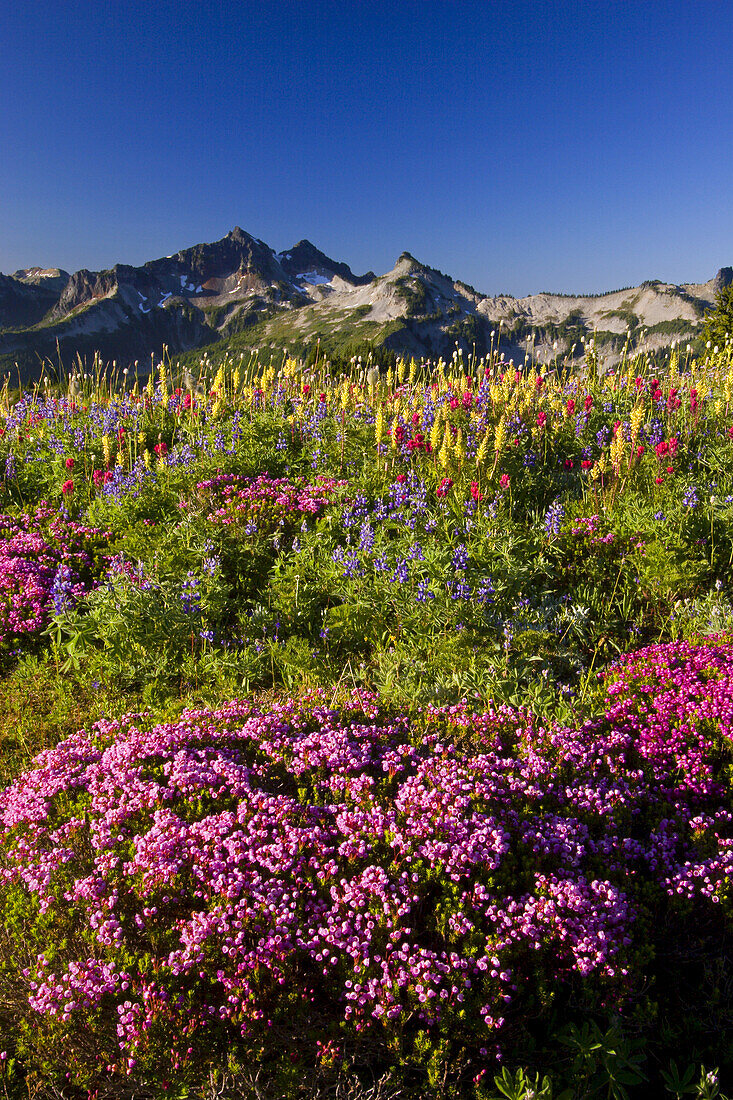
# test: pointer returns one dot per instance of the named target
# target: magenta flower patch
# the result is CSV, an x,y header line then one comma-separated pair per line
x,y
236,869
46,564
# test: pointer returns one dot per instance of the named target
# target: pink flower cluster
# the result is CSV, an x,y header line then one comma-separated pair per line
x,y
226,868
233,498
32,550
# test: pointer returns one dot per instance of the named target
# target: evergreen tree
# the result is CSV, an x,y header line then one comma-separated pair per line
x,y
718,324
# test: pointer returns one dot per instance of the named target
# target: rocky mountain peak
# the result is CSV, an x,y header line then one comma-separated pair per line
x,y
407,264
241,237
723,279
305,258
52,278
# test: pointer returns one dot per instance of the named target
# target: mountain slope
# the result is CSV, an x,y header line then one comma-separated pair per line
x,y
240,290
418,310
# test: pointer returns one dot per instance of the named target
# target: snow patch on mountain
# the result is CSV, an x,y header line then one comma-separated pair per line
x,y
314,278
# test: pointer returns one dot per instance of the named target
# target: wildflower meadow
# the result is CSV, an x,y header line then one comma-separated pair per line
x,y
367,732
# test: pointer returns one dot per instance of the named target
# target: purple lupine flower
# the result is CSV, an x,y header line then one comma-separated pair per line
x,y
366,537
190,594
460,558
554,517
63,593
424,591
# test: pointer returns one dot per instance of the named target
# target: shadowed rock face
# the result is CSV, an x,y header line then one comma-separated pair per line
x,y
237,252
304,257
83,286
723,279
210,291
25,303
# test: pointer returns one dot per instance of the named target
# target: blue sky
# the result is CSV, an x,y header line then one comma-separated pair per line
x,y
573,146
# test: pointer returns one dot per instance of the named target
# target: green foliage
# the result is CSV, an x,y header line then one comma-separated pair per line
x,y
717,326
609,1062
521,1085
414,293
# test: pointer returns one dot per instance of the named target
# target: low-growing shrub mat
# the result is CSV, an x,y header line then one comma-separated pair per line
x,y
326,895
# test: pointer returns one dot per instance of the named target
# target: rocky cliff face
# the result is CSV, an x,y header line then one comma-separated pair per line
x,y
24,303
304,260
239,285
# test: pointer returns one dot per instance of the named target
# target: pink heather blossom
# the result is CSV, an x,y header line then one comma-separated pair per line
x,y
235,857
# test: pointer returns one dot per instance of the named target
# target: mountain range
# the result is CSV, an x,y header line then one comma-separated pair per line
x,y
239,293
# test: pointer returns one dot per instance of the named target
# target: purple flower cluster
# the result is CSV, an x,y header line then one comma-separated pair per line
x,y
236,864
405,505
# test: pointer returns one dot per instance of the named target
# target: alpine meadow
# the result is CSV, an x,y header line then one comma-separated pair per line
x,y
366,727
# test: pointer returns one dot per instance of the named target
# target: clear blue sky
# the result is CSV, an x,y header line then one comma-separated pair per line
x,y
570,145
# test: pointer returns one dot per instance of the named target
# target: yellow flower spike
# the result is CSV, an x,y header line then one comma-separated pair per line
x,y
483,450
218,384
379,425
436,430
444,452
617,450
120,459
401,370
413,370
146,458
458,449
500,437
393,433
107,449
236,379
636,419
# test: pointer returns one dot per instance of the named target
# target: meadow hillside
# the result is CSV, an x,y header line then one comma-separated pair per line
x,y
367,732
